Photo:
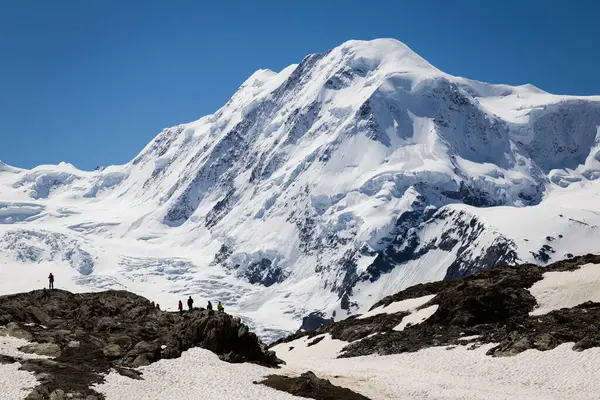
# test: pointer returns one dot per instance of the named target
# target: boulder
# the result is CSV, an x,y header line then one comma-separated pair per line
x,y
141,361
13,329
314,320
58,395
42,349
310,386
113,351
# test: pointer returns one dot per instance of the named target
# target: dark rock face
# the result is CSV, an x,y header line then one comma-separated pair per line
x,y
463,231
404,246
314,320
352,328
90,333
220,209
310,386
494,304
544,254
500,252
264,272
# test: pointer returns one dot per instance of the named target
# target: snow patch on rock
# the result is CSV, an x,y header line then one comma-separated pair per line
x,y
417,317
409,305
566,289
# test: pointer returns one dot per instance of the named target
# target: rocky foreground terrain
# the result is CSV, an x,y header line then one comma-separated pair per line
x,y
86,335
76,340
495,306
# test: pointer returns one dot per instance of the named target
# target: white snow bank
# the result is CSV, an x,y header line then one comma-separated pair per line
x,y
566,289
299,349
404,306
417,317
9,346
198,374
42,182
105,181
465,374
15,384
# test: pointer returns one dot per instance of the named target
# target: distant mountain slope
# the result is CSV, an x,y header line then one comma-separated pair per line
x,y
354,174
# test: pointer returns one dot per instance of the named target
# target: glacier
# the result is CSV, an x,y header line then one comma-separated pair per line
x,y
324,187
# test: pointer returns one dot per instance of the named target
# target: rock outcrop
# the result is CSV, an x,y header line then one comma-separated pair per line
x,y
310,386
88,334
493,306
314,320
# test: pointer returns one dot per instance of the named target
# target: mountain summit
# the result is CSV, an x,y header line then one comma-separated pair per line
x,y
354,174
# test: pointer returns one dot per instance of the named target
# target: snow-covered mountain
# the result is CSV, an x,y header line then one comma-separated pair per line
x,y
326,186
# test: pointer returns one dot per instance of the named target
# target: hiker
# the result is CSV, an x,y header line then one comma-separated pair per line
x,y
220,307
50,281
191,303
209,306
158,306
180,307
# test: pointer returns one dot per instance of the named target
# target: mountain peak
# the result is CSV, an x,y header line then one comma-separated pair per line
x,y
353,174
259,77
389,55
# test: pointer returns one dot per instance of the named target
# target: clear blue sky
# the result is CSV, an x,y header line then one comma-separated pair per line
x,y
92,82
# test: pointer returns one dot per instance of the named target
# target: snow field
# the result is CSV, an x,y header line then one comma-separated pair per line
x,y
15,384
299,349
198,374
566,289
462,373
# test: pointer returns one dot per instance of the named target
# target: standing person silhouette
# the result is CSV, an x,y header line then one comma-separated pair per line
x,y
50,281
191,303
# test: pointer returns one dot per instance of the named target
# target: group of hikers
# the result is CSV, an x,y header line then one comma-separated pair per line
x,y
190,303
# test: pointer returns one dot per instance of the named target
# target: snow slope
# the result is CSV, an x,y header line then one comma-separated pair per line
x,y
566,289
349,176
463,372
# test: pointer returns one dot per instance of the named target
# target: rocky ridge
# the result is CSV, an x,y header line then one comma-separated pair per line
x,y
493,306
86,335
310,386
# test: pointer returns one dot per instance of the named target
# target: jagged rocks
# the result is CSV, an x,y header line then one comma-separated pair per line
x,y
352,328
579,325
544,254
314,320
264,272
58,395
310,386
13,329
113,351
88,334
494,305
43,349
